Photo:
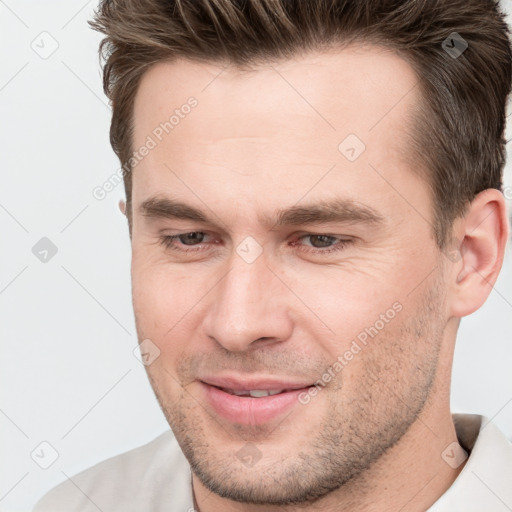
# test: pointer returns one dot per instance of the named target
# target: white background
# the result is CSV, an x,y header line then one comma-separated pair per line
x,y
68,375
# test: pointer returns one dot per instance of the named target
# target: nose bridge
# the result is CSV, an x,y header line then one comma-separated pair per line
x,y
244,307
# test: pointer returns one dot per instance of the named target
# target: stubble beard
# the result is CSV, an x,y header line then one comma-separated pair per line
x,y
361,423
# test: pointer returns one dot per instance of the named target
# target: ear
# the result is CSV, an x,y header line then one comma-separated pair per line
x,y
122,207
481,237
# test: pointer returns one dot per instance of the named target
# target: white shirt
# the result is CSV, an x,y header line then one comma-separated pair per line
x,y
156,477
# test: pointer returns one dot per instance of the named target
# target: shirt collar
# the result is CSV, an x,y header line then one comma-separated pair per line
x,y
485,482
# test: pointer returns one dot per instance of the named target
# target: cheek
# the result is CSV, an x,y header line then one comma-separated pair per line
x,y
338,307
161,297
163,308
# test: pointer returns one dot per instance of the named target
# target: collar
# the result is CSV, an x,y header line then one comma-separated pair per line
x,y
485,482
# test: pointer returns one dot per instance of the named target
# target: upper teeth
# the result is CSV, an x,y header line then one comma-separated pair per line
x,y
255,393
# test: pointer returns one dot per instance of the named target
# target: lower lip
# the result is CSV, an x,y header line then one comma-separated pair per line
x,y
247,410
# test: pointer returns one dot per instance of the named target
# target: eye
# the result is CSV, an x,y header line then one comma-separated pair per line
x,y
193,241
322,243
190,239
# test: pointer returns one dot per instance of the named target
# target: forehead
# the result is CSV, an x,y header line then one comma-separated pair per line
x,y
279,125
332,86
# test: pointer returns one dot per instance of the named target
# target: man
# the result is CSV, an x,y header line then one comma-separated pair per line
x,y
313,199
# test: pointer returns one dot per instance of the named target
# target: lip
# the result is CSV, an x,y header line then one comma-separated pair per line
x,y
246,384
248,410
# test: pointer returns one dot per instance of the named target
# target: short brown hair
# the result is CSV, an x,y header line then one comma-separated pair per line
x,y
458,137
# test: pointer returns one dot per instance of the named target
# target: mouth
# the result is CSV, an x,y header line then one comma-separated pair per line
x,y
255,393
251,403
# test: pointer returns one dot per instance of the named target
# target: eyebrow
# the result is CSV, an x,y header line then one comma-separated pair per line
x,y
325,211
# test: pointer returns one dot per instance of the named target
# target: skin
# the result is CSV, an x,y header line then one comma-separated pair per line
x,y
264,140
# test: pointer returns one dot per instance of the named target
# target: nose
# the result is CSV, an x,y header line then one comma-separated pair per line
x,y
248,307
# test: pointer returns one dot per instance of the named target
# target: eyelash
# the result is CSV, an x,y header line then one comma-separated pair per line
x,y
168,241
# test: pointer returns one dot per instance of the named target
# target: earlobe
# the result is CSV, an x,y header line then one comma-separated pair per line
x,y
484,232
122,207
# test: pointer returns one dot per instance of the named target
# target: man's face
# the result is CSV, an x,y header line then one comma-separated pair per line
x,y
312,260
